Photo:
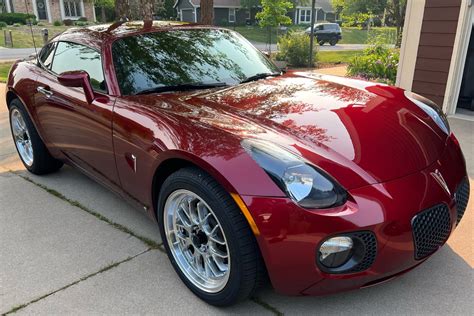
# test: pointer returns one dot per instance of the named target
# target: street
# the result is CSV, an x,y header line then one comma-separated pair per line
x,y
70,246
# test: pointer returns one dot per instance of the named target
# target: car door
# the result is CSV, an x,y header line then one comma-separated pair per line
x,y
71,126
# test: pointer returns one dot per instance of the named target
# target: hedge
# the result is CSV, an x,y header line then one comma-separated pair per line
x,y
12,18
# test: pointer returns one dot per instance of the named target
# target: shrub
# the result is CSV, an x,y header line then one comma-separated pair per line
x,y
378,62
2,25
80,23
294,49
12,18
68,22
82,19
57,23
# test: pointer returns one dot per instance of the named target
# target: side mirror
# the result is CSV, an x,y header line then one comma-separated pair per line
x,y
78,79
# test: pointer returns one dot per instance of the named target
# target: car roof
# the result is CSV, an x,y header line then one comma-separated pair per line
x,y
94,36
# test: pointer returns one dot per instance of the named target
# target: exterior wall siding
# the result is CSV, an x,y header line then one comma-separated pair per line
x,y
435,50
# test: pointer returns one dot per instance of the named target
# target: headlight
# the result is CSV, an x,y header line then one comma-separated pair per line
x,y
304,183
431,109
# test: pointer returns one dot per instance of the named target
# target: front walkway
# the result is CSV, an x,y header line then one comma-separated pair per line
x,y
69,246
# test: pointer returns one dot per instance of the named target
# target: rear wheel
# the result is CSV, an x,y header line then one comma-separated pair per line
x,y
208,241
31,149
321,43
333,42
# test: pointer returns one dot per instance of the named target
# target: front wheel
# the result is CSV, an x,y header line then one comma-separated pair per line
x,y
208,241
333,42
321,43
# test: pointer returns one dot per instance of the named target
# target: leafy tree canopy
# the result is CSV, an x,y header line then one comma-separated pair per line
x,y
274,13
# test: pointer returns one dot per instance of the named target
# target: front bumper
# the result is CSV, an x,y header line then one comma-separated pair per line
x,y
289,235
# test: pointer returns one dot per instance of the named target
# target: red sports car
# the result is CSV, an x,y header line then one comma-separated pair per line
x,y
323,184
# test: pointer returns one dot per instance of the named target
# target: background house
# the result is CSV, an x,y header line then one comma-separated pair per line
x,y
52,10
231,11
437,54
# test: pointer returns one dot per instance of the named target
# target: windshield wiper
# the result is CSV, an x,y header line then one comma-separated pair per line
x,y
261,76
183,87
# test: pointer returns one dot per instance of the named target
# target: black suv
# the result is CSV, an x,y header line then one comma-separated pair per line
x,y
326,33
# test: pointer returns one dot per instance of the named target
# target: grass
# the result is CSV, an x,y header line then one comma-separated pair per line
x,y
350,35
337,57
4,69
22,35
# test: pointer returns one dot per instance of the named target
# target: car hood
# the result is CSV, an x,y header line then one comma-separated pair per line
x,y
358,132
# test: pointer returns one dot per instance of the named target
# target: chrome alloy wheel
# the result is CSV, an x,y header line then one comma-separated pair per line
x,y
21,137
197,241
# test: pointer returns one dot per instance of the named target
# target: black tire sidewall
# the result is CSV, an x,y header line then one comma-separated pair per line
x,y
229,294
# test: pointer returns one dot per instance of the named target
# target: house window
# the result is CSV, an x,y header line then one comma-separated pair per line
x,y
72,8
305,16
232,15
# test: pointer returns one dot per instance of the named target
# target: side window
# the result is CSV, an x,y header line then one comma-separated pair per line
x,y
71,56
46,55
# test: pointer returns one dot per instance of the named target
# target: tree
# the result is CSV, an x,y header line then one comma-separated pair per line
x,y
103,5
207,12
274,13
122,9
147,9
167,11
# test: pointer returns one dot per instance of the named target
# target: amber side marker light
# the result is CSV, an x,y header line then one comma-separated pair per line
x,y
246,213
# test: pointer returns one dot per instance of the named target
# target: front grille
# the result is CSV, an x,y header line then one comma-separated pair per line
x,y
370,244
431,228
462,197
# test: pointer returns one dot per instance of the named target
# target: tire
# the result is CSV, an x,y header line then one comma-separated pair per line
x,y
333,42
321,43
32,151
246,271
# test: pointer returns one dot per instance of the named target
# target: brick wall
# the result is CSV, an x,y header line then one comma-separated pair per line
x,y
54,9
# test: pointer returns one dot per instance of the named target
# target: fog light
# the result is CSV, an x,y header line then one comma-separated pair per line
x,y
335,251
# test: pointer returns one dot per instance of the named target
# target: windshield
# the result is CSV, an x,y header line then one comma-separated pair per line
x,y
185,57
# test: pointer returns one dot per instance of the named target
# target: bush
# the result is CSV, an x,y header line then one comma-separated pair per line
x,y
68,22
81,24
378,62
294,49
82,19
57,23
12,18
2,25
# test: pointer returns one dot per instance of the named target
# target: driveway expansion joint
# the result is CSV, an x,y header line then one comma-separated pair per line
x,y
150,243
84,278
257,300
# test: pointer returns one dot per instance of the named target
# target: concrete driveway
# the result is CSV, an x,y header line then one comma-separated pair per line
x,y
69,246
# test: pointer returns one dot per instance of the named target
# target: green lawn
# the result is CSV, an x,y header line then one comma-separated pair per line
x,y
350,35
337,57
4,69
22,35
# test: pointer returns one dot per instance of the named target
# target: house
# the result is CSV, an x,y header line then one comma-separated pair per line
x,y
52,10
231,11
437,53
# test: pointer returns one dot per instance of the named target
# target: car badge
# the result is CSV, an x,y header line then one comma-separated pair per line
x,y
439,178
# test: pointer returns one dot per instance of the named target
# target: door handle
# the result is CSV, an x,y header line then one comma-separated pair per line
x,y
45,91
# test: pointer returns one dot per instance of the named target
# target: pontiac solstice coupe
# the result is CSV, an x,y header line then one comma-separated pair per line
x,y
318,183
